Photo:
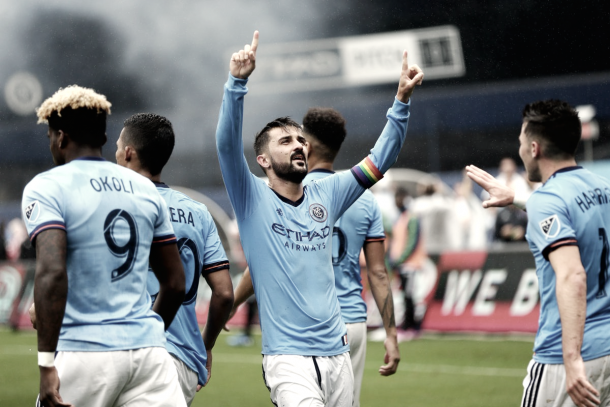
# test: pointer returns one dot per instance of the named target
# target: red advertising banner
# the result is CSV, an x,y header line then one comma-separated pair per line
x,y
485,291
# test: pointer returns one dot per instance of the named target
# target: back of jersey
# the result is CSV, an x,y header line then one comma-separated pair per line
x,y
572,208
111,216
201,252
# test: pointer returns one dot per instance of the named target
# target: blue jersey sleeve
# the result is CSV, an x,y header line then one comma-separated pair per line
x,y
42,206
549,225
164,231
240,182
376,231
386,149
214,256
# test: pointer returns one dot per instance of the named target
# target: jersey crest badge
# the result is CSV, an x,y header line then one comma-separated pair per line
x,y
550,226
318,212
32,211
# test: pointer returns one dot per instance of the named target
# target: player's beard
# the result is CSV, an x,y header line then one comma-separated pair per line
x,y
289,171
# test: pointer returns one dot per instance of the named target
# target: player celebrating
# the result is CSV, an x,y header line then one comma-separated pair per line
x,y
145,145
93,223
286,232
567,233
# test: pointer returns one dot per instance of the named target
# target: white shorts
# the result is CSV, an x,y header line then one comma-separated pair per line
x,y
312,381
188,379
545,385
356,336
140,377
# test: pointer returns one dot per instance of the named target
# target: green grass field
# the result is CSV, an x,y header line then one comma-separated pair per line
x,y
449,370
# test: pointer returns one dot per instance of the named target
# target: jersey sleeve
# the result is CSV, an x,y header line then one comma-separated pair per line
x,y
550,226
385,152
342,190
42,206
240,182
164,231
214,256
376,232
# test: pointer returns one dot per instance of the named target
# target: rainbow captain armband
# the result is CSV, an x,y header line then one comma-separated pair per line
x,y
366,173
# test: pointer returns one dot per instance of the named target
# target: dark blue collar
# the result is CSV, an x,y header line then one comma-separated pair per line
x,y
566,169
325,171
90,158
288,201
160,184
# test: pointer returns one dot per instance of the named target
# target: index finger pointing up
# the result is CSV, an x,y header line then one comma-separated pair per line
x,y
405,64
254,41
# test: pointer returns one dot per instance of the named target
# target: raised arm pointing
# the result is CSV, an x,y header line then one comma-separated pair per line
x,y
243,62
409,77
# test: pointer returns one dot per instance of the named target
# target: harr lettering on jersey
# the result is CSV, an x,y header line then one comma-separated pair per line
x,y
592,197
113,184
178,216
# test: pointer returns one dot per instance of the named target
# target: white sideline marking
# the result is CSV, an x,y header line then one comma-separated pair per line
x,y
258,360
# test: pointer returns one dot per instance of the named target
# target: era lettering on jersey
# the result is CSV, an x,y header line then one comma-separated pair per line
x,y
318,212
178,216
113,184
591,198
550,226
32,211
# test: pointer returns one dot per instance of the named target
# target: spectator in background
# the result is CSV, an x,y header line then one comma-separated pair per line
x,y
511,178
511,223
435,212
17,243
406,256
471,220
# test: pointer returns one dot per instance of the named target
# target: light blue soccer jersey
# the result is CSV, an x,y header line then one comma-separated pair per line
x,y
201,252
288,244
111,216
361,223
572,208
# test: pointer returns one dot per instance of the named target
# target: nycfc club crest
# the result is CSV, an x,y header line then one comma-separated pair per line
x,y
318,212
32,211
550,226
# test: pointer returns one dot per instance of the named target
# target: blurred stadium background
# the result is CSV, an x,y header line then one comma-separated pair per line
x,y
484,60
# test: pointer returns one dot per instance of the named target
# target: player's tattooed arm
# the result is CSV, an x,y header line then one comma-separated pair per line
x,y
221,304
571,290
167,266
50,295
374,253
50,287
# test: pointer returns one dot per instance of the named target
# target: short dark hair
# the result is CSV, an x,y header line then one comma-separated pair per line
x,y
326,125
556,125
152,136
84,126
261,140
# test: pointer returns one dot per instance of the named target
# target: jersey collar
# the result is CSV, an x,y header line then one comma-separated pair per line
x,y
323,170
288,201
566,169
90,158
160,184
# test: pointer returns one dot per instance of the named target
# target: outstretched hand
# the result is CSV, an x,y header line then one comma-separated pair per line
x,y
243,62
409,77
500,195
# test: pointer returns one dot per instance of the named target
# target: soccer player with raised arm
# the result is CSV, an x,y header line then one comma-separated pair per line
x,y
568,226
286,233
93,223
145,145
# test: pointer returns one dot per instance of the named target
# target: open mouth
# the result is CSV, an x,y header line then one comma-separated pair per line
x,y
298,157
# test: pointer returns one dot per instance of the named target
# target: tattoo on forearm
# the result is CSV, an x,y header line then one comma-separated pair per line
x,y
387,311
50,286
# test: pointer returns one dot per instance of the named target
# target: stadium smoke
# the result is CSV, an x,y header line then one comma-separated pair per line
x,y
176,52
